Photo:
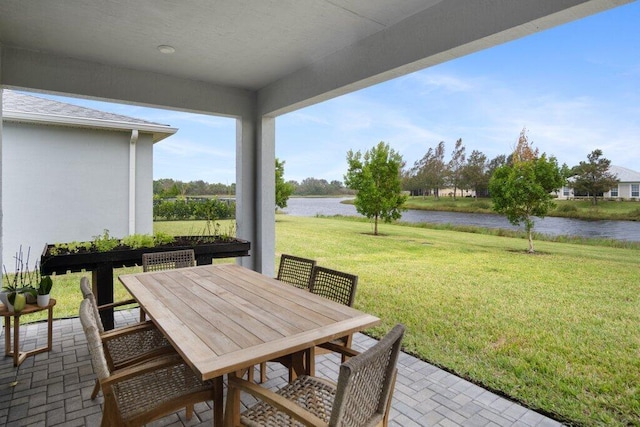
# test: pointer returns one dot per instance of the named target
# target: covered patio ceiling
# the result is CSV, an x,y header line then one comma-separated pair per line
x,y
251,59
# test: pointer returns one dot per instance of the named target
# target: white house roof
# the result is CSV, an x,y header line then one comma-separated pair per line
x,y
624,174
20,107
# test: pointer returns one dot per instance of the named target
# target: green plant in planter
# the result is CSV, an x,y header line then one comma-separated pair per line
x,y
44,288
21,285
104,242
137,241
18,300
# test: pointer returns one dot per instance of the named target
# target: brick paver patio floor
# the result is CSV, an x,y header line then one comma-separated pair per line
x,y
53,389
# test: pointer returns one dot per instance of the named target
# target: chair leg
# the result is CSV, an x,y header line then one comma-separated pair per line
x,y
96,390
188,412
385,419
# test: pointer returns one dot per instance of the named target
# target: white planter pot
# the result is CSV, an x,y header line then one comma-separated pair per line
x,y
3,297
43,300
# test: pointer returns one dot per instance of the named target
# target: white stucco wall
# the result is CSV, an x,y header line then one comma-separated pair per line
x,y
63,184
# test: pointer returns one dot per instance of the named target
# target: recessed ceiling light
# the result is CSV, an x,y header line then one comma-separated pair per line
x,y
165,48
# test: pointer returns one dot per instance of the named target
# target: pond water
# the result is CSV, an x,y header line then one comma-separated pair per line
x,y
620,230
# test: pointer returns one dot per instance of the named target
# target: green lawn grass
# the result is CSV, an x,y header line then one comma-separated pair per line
x,y
558,330
581,209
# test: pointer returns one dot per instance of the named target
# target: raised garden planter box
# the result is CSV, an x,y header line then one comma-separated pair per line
x,y
126,257
101,264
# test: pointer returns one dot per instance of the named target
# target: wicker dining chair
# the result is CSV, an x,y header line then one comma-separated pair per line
x,y
295,270
127,345
339,287
336,286
141,393
361,397
157,261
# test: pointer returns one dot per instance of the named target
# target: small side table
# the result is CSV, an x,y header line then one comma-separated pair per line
x,y
19,356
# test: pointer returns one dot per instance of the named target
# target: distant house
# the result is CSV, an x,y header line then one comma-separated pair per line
x,y
69,173
628,188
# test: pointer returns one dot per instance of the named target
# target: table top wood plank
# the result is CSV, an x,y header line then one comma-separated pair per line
x,y
250,279
254,318
171,324
203,319
261,303
239,319
271,350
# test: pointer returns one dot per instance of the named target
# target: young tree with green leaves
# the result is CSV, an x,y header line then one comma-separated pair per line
x,y
521,189
593,177
283,189
376,178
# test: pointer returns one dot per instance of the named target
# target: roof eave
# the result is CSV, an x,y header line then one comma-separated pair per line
x,y
159,132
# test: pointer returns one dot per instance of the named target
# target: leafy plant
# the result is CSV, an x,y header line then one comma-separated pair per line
x,y
104,242
22,281
44,288
137,241
70,247
161,238
22,277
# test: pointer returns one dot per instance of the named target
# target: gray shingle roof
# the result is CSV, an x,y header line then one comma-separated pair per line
x,y
23,103
624,174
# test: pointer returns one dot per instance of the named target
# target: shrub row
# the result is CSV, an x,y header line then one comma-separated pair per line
x,y
205,209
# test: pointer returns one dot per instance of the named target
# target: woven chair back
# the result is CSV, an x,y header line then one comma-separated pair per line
x,y
157,261
296,271
334,285
365,383
87,294
91,331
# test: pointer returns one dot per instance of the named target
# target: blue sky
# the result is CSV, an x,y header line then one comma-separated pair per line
x,y
575,88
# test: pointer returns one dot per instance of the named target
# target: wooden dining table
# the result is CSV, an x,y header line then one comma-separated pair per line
x,y
225,318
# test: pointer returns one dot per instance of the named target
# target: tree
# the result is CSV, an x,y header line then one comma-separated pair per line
x,y
474,173
521,189
437,170
593,177
495,163
283,189
416,180
376,178
456,165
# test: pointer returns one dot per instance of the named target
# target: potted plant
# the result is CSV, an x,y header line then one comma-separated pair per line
x,y
19,288
17,301
44,291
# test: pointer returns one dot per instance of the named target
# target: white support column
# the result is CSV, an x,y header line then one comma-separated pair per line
x,y
1,193
266,177
132,181
245,185
255,190
1,210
